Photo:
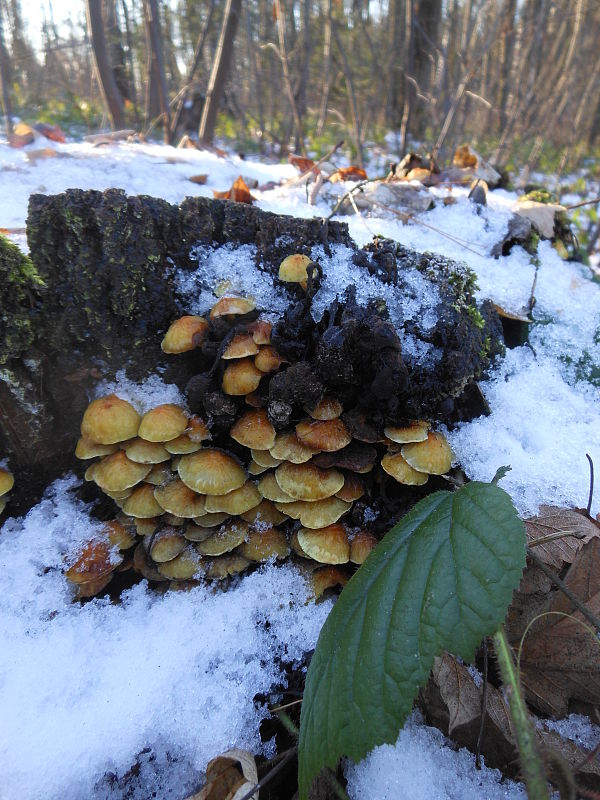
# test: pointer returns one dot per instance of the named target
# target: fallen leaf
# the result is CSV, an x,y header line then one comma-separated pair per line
x,y
94,561
229,776
199,179
348,174
577,529
302,164
20,140
52,132
452,702
560,659
464,157
23,129
239,192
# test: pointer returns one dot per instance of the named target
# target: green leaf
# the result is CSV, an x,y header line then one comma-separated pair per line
x,y
441,579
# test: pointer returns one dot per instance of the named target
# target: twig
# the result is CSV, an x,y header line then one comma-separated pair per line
x,y
272,773
591,494
483,705
286,705
299,178
583,203
349,193
589,615
558,535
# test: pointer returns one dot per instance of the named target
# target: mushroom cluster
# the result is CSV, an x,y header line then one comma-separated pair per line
x,y
206,496
7,482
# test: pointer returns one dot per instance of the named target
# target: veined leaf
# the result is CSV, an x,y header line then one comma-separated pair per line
x,y
441,579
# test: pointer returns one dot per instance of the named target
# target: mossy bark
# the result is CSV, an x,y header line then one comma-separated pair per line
x,y
98,294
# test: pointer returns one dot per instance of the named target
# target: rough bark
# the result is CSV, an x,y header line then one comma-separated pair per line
x,y
107,261
110,90
220,71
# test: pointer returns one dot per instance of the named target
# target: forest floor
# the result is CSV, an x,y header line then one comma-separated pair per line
x,y
167,682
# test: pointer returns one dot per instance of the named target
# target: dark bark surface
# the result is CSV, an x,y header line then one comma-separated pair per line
x,y
107,263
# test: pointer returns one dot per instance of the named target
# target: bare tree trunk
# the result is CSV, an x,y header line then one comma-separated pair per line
x,y
409,89
394,77
220,71
128,38
326,69
351,97
108,86
157,66
6,104
193,67
286,76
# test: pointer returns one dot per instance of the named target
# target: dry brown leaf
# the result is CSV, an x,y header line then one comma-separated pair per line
x,y
52,132
464,157
239,193
229,776
21,136
303,164
577,529
560,659
199,179
348,174
453,704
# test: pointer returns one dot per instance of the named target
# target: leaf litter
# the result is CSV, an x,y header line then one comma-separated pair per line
x,y
544,418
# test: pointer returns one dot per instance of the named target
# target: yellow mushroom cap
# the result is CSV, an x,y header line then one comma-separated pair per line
x,y
7,481
433,456
195,533
241,346
211,520
184,566
361,545
232,305
256,469
328,435
317,514
166,544
182,445
110,419
197,430
265,514
269,360
144,452
328,545
92,588
396,465
226,565
254,430
294,269
271,490
211,471
116,472
288,447
241,377
352,489
86,448
3,501
160,473
264,458
415,431
141,503
264,545
307,482
146,527
177,498
261,331
143,564
326,409
327,578
163,423
236,502
225,539
185,334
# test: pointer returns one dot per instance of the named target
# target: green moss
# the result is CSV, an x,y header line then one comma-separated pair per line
x,y
20,285
476,317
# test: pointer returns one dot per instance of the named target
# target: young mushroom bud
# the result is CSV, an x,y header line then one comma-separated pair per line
x,y
185,334
294,269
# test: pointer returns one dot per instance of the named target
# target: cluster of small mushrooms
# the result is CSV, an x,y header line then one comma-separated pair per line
x,y
192,510
7,482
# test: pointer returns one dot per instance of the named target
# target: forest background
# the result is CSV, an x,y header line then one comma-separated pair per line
x,y
517,79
